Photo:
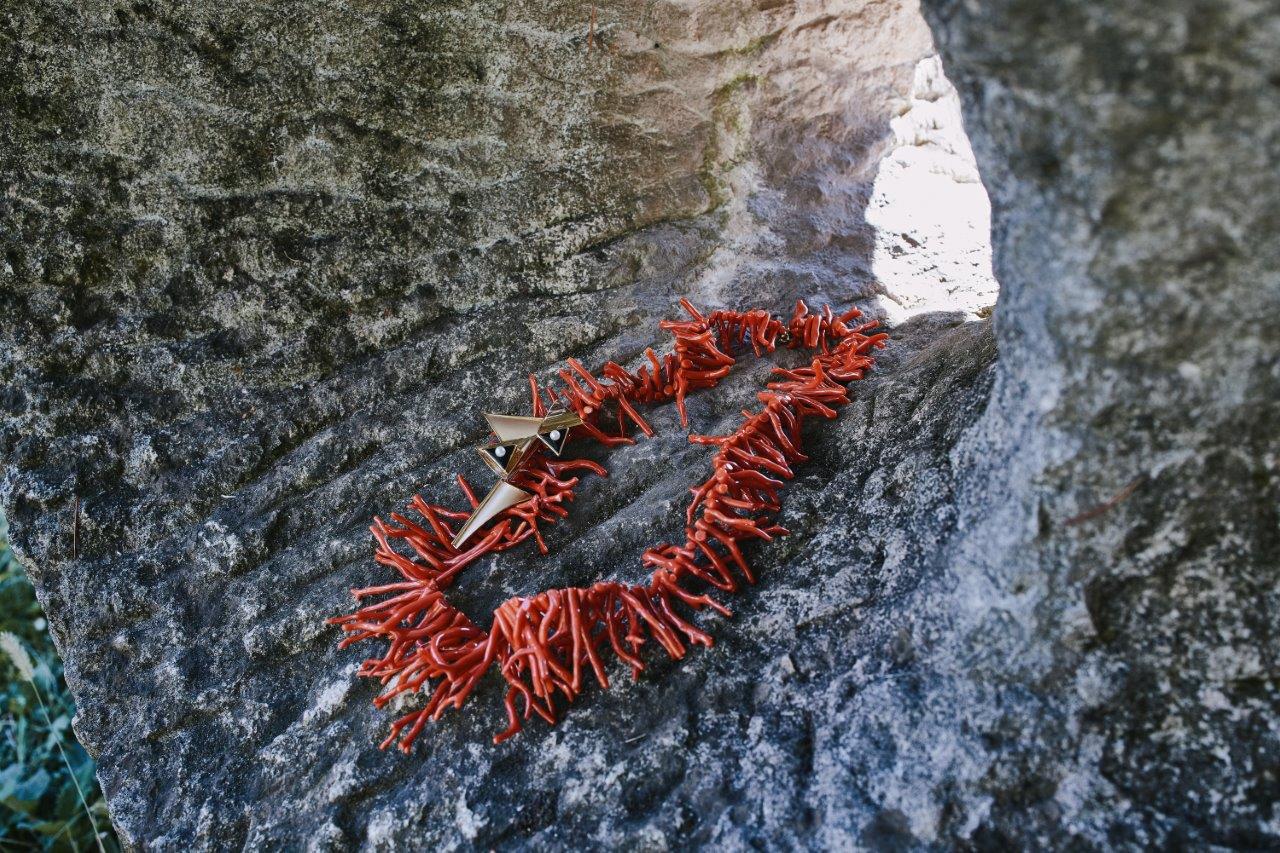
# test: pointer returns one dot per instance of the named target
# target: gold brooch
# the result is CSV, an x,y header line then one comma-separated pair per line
x,y
517,436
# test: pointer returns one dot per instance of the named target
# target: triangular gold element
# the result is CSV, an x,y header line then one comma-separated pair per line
x,y
513,427
503,459
502,496
555,439
556,420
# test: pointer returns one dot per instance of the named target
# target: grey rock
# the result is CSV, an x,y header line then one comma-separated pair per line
x,y
1119,525
264,268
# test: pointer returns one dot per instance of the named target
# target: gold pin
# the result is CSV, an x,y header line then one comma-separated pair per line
x,y
516,436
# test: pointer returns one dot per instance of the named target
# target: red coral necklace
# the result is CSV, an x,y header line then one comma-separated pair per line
x,y
546,643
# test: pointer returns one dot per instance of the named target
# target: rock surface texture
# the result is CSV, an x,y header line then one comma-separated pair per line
x,y
1120,508
264,267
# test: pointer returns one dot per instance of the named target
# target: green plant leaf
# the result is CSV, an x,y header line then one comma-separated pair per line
x,y
51,828
9,779
26,794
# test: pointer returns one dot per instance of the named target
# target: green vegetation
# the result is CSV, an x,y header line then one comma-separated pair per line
x,y
49,797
